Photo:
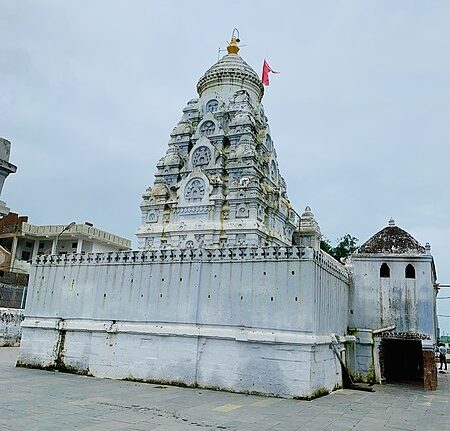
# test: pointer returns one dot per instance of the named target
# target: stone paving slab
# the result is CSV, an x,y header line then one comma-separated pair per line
x,y
36,400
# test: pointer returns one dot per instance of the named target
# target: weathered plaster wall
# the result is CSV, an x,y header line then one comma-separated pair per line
x,y
10,320
407,303
237,319
378,302
12,296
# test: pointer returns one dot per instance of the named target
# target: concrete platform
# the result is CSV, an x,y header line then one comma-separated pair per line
x,y
41,400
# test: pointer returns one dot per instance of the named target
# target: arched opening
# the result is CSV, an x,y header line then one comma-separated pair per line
x,y
410,272
207,128
385,271
212,106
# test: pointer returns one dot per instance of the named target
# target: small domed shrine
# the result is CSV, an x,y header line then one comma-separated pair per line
x,y
393,308
219,183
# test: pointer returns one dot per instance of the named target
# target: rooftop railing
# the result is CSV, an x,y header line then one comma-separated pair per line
x,y
78,229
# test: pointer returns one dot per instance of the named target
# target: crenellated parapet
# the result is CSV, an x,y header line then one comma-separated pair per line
x,y
220,255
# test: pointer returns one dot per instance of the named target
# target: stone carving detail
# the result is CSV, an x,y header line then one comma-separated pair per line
x,y
243,182
207,128
212,106
216,180
152,216
260,213
242,211
241,96
193,210
201,156
195,190
241,238
273,171
199,238
404,335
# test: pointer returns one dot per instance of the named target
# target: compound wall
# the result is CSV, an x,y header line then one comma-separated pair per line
x,y
250,320
10,320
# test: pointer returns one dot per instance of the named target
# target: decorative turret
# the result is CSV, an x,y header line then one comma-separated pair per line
x,y
219,182
309,234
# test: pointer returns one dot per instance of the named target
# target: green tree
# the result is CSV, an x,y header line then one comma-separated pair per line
x,y
345,246
325,245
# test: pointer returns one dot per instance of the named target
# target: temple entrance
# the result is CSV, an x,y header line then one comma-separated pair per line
x,y
401,360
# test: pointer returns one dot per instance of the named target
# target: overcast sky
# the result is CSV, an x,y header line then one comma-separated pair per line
x,y
90,90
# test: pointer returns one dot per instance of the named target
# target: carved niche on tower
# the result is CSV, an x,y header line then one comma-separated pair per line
x,y
195,190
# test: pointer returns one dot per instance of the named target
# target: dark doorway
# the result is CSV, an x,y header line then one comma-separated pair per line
x,y
402,360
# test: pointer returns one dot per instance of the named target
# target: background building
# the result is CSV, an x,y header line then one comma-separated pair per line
x,y
20,241
6,168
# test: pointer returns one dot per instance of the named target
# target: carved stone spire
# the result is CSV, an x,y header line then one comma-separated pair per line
x,y
309,234
219,182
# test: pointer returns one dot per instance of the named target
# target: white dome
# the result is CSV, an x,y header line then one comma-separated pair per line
x,y
232,70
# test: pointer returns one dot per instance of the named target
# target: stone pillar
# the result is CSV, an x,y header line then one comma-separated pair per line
x,y
379,378
13,252
35,250
54,244
429,371
79,245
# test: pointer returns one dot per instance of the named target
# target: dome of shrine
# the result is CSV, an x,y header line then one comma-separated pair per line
x,y
392,240
231,69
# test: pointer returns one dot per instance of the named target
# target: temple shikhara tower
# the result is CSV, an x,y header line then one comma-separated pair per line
x,y
219,183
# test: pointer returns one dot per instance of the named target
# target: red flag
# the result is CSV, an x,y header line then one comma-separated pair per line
x,y
265,73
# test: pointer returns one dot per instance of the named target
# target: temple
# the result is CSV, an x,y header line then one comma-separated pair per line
x,y
230,288
219,183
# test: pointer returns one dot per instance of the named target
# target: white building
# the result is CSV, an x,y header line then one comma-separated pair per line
x,y
21,242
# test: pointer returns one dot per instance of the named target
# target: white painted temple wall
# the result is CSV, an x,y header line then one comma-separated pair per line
x,y
256,320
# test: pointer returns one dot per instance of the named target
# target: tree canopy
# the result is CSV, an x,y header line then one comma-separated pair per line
x,y
345,246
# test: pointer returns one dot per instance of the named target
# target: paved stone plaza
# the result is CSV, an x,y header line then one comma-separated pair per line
x,y
41,400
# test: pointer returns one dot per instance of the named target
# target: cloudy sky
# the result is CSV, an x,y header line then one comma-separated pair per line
x,y
90,90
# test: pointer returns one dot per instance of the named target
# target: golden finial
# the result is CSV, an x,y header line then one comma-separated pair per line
x,y
233,47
